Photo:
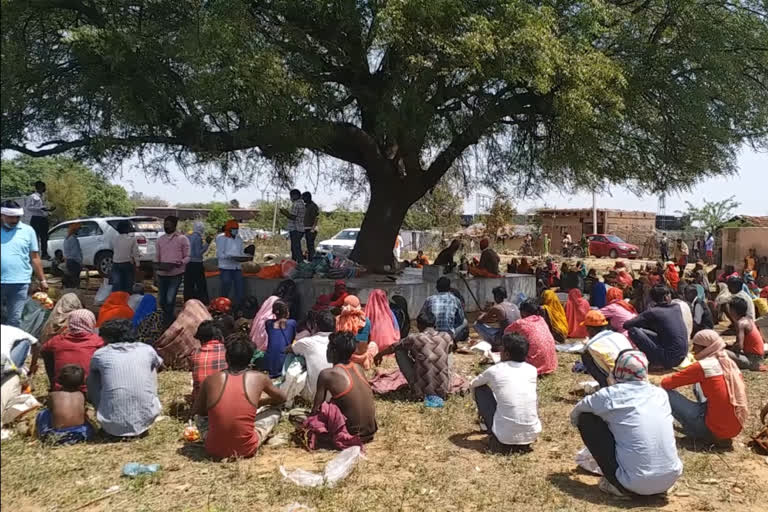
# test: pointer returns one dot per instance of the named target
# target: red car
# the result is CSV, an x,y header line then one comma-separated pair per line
x,y
611,246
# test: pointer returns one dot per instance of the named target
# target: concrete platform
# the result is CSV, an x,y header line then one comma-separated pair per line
x,y
410,285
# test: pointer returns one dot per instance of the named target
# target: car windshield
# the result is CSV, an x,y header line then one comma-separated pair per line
x,y
347,234
615,239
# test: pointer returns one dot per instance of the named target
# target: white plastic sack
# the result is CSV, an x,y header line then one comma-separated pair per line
x,y
589,386
585,460
484,348
294,382
335,471
570,348
101,295
18,406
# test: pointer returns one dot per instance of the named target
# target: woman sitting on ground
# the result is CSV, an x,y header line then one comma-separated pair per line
x,y
384,328
177,344
352,319
281,331
57,321
115,307
555,315
576,310
618,310
541,345
76,345
719,414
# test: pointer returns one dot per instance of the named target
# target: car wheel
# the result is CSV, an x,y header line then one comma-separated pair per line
x,y
613,254
103,263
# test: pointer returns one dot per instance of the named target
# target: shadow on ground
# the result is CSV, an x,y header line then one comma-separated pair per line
x,y
582,491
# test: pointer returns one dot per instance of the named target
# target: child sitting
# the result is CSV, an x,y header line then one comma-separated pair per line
x,y
64,421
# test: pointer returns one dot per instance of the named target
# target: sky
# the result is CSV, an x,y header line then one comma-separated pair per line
x,y
749,187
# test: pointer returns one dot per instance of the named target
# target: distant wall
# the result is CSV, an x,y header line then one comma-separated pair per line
x,y
738,241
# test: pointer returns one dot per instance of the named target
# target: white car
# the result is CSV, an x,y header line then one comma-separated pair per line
x,y
341,244
96,235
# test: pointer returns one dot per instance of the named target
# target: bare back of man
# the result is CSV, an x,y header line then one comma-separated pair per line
x,y
67,409
345,386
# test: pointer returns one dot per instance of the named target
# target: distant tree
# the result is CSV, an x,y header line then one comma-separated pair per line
x,y
217,216
73,188
501,213
234,203
141,199
711,215
439,209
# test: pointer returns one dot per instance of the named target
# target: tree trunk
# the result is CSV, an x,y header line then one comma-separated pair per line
x,y
382,221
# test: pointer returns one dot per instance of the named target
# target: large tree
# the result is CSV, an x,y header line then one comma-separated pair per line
x,y
655,93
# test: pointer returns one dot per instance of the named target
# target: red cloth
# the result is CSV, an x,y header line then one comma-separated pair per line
x,y
116,306
72,348
764,293
230,422
672,277
328,424
624,278
339,294
209,359
541,344
383,330
721,418
617,296
576,310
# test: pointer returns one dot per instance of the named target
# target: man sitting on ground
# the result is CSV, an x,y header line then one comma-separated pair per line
x,y
628,429
210,358
749,350
122,381
313,349
736,289
447,309
701,315
64,421
660,332
424,358
491,324
506,400
228,402
348,388
602,347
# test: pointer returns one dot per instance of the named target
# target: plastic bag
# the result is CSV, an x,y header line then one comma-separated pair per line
x,y
335,471
101,295
294,379
585,460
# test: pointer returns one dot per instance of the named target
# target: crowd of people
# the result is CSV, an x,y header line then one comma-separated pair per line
x,y
241,360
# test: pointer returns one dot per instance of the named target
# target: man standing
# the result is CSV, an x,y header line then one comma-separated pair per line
x,y
546,244
195,286
681,254
398,247
172,256
73,256
424,358
229,251
38,215
311,216
664,248
295,224
19,256
709,246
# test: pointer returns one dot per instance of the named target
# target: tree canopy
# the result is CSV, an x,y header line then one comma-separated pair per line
x,y
653,93
711,215
73,188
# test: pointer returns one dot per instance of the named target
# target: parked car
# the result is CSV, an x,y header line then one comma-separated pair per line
x,y
96,236
612,246
342,242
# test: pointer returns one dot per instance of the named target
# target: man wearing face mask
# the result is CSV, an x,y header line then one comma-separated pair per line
x,y
19,256
229,251
172,256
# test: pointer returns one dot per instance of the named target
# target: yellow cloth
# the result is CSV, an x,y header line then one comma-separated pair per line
x,y
556,312
761,307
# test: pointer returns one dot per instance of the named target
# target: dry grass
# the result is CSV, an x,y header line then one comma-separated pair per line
x,y
422,459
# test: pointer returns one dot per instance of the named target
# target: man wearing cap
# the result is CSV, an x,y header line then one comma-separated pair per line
x,y
628,429
19,256
602,347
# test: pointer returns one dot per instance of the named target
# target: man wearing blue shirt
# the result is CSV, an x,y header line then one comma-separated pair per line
x,y
19,255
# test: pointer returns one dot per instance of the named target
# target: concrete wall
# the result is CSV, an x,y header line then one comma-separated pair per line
x,y
738,241
410,286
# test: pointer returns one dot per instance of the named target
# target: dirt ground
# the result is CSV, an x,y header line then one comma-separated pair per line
x,y
421,459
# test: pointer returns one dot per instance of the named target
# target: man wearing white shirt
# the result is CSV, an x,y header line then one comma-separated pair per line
x,y
229,248
35,208
314,350
506,399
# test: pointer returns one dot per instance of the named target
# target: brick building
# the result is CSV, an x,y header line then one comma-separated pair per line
x,y
742,234
632,226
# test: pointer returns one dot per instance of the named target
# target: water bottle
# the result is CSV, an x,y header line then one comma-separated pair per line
x,y
134,469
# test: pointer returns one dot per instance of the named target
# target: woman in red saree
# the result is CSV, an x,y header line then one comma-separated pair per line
x,y
576,310
384,328
672,277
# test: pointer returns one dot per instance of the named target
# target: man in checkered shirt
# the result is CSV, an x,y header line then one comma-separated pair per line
x,y
448,311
